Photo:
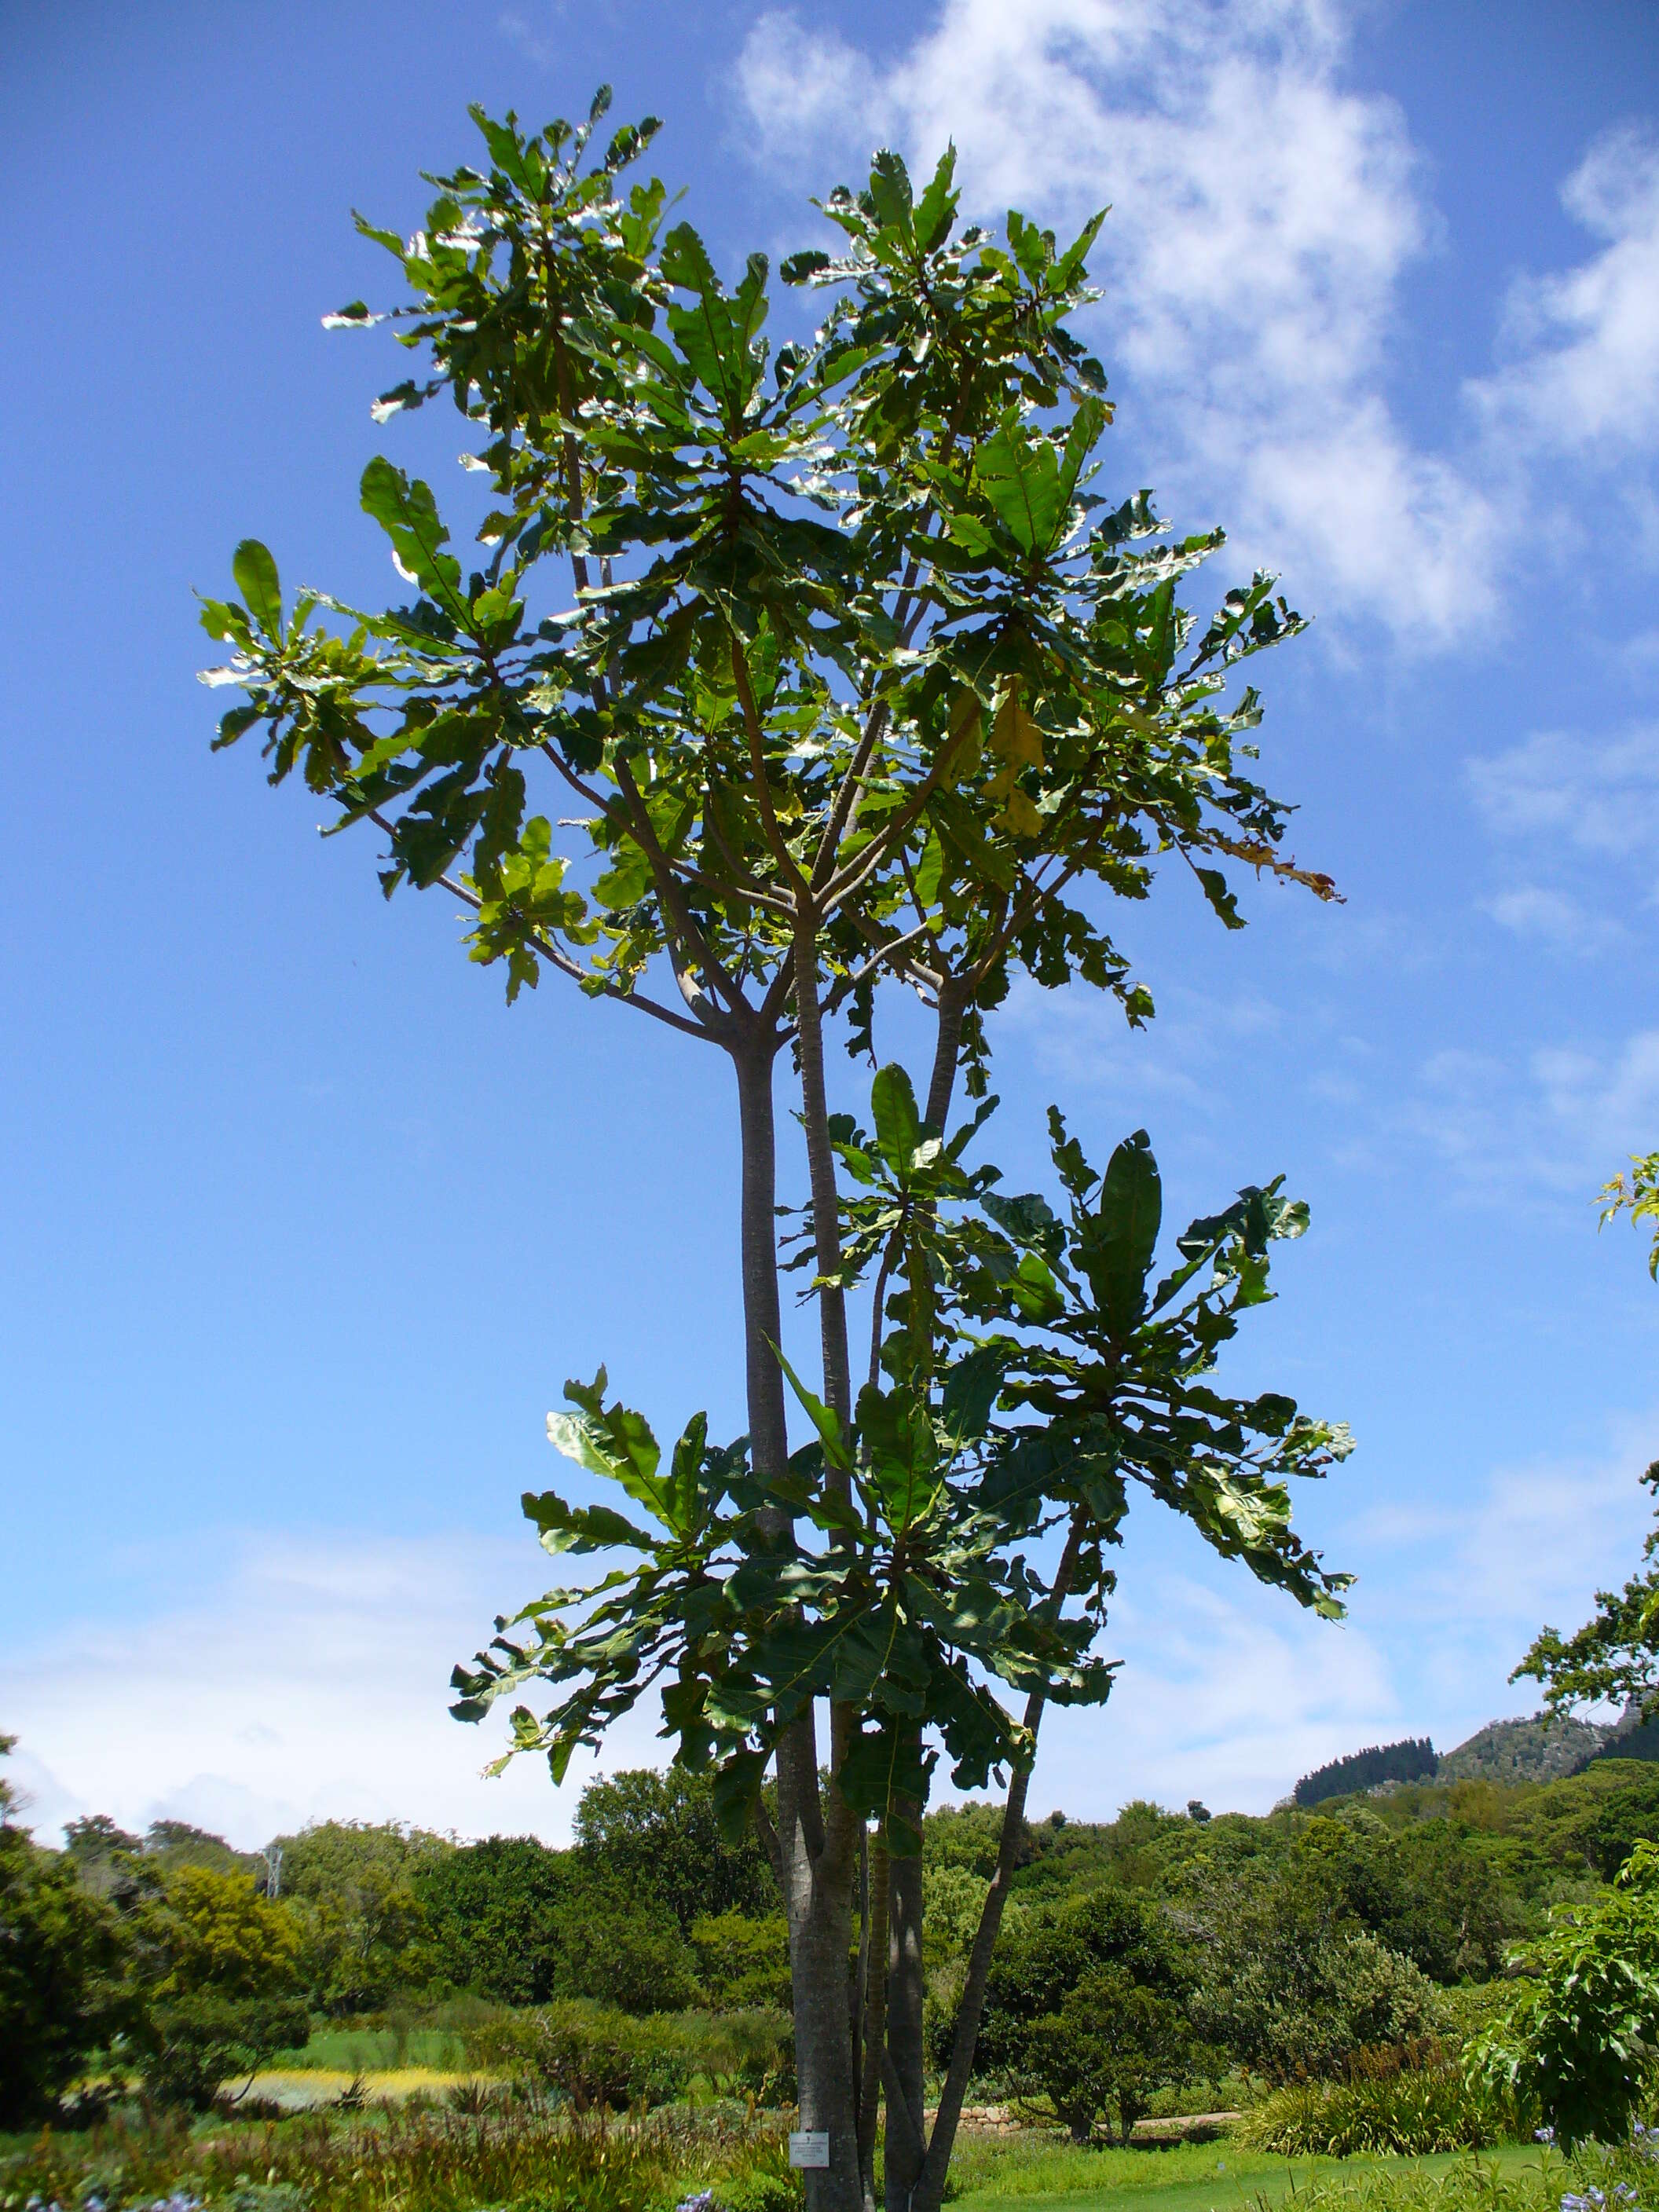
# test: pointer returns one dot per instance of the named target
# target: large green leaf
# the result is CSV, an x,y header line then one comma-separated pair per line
x,y
716,334
1117,1240
409,515
567,1528
898,1124
616,1440
255,572
1019,473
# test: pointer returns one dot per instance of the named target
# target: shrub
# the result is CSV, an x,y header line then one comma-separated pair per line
x,y
602,2059
189,2045
625,1953
1578,2033
1411,2102
60,1972
598,2057
1306,2016
743,1965
1111,2045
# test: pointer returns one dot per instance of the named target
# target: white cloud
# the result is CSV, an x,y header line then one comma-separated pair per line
x,y
1556,1123
1262,218
1533,1544
308,1681
1607,1104
1229,1692
1229,1697
1554,918
1265,215
1597,797
1583,374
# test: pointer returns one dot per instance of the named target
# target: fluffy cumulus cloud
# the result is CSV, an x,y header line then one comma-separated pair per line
x,y
1265,213
1583,375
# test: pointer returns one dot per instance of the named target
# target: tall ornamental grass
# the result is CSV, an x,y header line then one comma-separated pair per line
x,y
1411,2103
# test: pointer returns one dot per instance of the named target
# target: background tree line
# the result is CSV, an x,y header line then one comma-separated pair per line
x,y
1144,1959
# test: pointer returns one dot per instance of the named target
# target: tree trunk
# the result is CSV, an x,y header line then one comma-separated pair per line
x,y
817,1882
905,1992
930,2190
875,2027
907,1983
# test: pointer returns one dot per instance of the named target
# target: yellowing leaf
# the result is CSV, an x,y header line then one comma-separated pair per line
x,y
965,738
1015,738
1020,816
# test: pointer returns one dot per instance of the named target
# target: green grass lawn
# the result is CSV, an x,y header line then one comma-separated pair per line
x,y
1216,2177
374,2050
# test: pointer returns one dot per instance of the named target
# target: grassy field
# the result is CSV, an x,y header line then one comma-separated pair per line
x,y
1045,2176
376,2050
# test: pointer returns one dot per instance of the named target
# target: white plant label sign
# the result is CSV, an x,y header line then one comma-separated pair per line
x,y
810,2147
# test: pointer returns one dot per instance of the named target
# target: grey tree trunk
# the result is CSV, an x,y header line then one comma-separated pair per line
x,y
907,1962
815,1868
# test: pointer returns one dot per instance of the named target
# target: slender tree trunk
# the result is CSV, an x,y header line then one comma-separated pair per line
x,y
816,1882
769,1427
947,1044
906,1994
875,2028
907,1958
930,2188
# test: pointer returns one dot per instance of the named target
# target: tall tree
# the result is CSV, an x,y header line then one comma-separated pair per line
x,y
857,682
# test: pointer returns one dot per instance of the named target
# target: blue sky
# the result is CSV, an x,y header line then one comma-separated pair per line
x,y
304,1229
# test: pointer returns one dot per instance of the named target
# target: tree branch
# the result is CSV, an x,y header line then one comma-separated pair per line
x,y
775,837
561,960
930,2188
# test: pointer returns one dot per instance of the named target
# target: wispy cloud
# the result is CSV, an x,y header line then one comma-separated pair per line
x,y
1476,1573
308,1680
1598,797
1554,918
1548,1126
1265,215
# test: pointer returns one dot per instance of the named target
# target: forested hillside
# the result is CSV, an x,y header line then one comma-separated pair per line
x,y
1412,1759
652,1950
649,1911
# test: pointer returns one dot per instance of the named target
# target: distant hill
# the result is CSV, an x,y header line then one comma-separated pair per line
x,y
1631,1737
1412,1759
1525,1751
1532,1750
